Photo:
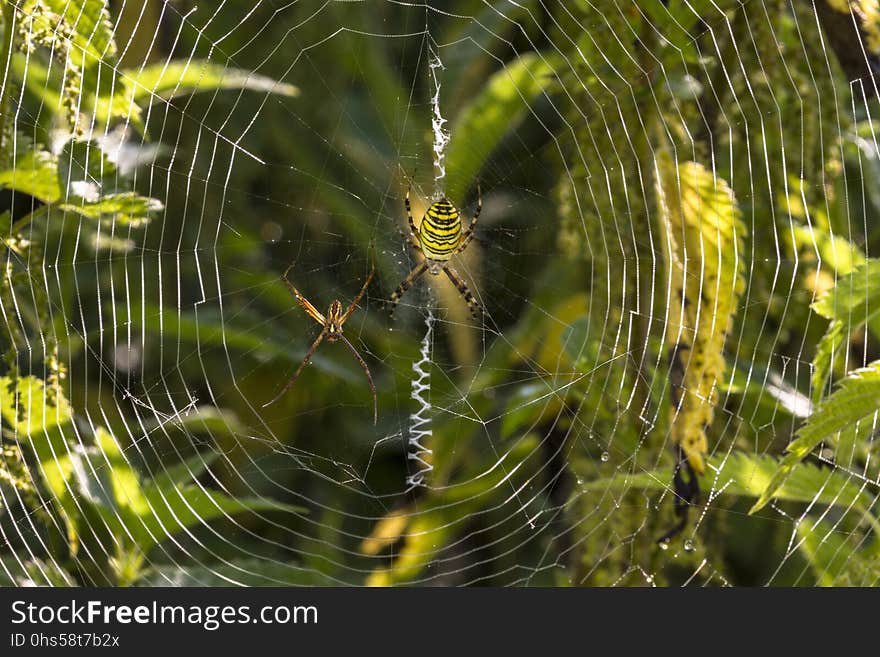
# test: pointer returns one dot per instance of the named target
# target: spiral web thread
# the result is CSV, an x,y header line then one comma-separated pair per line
x,y
158,378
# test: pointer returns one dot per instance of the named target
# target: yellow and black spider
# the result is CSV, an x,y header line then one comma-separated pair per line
x,y
439,237
332,332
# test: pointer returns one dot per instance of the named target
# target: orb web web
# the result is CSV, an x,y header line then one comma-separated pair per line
x,y
674,255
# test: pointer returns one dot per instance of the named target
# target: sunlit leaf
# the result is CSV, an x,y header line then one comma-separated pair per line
x,y
386,532
35,173
478,129
853,302
827,550
184,77
744,475
702,234
855,401
92,29
856,297
426,533
125,208
168,80
29,407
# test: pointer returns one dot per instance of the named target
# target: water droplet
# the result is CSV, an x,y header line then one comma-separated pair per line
x,y
689,545
605,456
664,545
649,579
271,232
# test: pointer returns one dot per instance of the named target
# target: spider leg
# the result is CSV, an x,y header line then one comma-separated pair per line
x,y
367,372
357,299
305,361
306,305
464,290
405,285
469,233
412,223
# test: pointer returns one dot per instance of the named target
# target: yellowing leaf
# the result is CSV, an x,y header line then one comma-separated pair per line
x,y
702,246
28,407
386,532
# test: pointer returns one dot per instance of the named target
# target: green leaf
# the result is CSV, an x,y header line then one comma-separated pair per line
x,y
80,177
40,418
97,477
169,80
855,401
202,419
34,572
578,345
84,171
104,90
853,302
426,532
837,254
825,352
184,472
480,126
151,510
527,404
125,481
855,297
745,475
827,550
185,77
29,408
34,173
175,508
125,207
90,21
768,391
862,569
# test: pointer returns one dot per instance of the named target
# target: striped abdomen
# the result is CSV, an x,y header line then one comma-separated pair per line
x,y
440,230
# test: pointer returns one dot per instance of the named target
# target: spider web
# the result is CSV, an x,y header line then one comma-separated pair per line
x,y
533,447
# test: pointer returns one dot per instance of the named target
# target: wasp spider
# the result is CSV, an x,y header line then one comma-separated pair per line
x,y
438,237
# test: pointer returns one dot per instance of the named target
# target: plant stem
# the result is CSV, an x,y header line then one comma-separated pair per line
x,y
5,67
22,223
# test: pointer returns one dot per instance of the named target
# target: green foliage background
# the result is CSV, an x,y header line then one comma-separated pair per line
x,y
160,169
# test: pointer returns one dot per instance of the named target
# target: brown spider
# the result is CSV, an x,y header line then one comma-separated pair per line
x,y
332,331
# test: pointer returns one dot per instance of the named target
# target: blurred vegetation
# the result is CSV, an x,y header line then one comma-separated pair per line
x,y
679,207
